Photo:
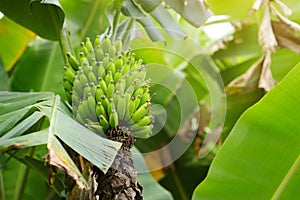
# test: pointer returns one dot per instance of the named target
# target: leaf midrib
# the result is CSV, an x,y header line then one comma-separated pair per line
x,y
89,19
286,179
48,68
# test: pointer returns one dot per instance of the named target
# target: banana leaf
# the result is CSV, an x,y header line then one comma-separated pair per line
x,y
260,158
19,112
45,18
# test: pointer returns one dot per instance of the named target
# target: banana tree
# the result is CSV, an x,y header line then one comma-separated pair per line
x,y
106,92
98,99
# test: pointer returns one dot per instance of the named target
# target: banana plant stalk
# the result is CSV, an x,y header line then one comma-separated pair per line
x,y
110,95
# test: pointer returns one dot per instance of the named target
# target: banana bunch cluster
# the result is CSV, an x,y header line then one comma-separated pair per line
x,y
108,88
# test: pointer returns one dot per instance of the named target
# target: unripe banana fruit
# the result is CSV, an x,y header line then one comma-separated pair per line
x,y
108,88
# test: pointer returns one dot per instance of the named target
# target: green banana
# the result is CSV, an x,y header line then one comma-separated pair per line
x,y
85,68
88,44
106,44
137,101
138,91
110,105
145,98
126,68
69,73
103,122
83,48
111,67
68,85
145,121
78,87
79,116
108,88
112,51
100,110
121,107
137,64
105,102
73,61
90,122
92,105
119,63
83,79
91,76
99,94
141,112
99,54
103,86
91,55
108,77
75,99
145,132
94,66
97,129
86,110
86,90
97,42
113,119
127,115
131,105
120,85
105,60
119,45
93,88
83,58
117,76
101,69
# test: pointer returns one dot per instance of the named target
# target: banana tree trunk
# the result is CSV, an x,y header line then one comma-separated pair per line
x,y
120,181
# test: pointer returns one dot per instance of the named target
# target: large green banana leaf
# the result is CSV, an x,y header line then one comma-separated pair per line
x,y
13,40
20,113
45,18
260,158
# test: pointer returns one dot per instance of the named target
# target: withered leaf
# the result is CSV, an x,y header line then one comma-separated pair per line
x,y
286,36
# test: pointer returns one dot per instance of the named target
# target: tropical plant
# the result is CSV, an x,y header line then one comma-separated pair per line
x,y
65,132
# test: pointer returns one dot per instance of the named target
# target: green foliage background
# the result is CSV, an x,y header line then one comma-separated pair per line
x,y
257,155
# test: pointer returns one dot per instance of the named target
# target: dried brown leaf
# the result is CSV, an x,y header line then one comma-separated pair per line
x,y
258,75
266,80
286,37
59,158
292,25
258,4
286,10
247,80
266,35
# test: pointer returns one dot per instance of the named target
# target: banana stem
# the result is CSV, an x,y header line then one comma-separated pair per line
x,y
126,36
22,179
115,25
89,20
67,32
63,45
61,35
2,190
178,184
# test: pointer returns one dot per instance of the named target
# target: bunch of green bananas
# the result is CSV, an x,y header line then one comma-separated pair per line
x,y
108,88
